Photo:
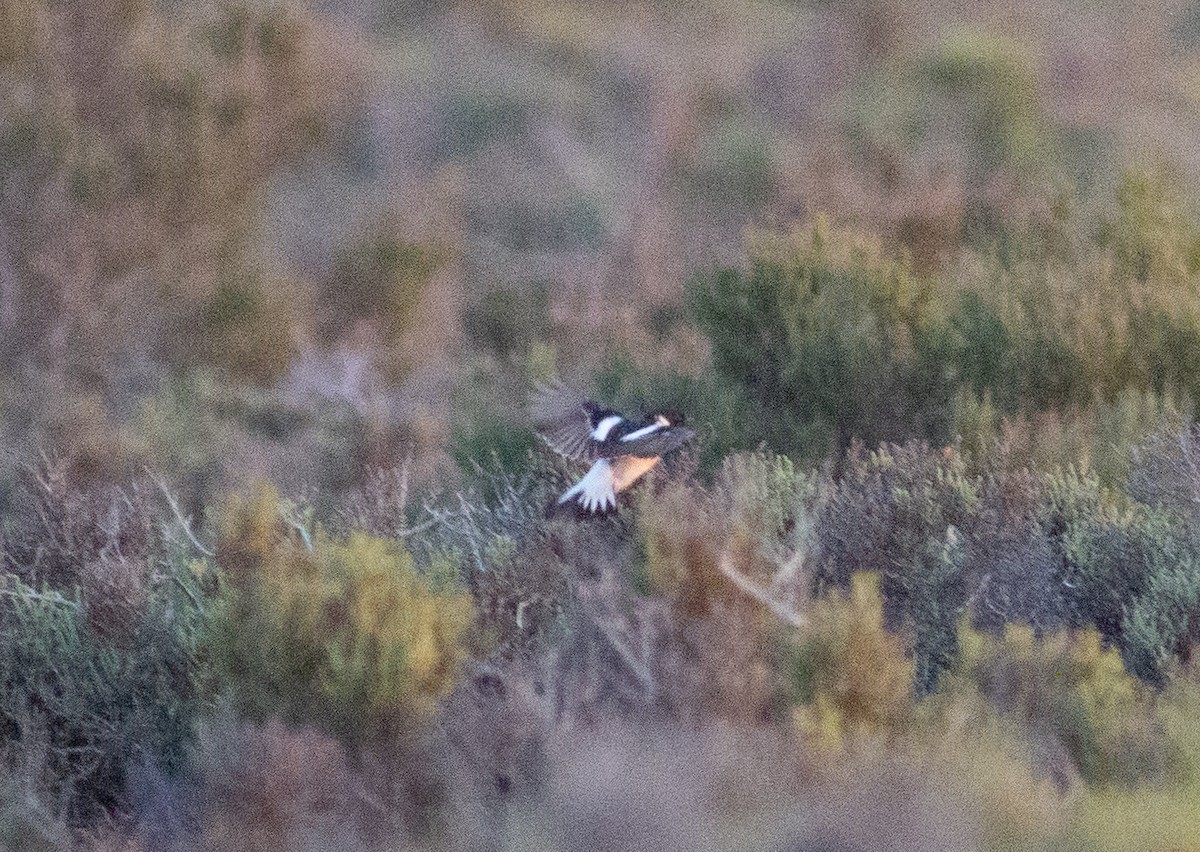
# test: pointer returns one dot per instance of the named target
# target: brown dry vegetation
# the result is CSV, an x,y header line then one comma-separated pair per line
x,y
276,277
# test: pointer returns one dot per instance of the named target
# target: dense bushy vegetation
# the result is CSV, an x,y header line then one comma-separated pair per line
x,y
309,678
276,570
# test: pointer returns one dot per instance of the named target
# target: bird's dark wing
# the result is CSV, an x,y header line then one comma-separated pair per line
x,y
657,443
565,419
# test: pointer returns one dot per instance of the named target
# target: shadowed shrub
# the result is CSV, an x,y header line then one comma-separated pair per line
x,y
98,659
92,706
819,332
1116,558
906,513
270,787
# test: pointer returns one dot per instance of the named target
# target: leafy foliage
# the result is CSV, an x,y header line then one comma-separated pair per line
x,y
1070,687
848,673
822,328
901,512
348,636
95,707
932,561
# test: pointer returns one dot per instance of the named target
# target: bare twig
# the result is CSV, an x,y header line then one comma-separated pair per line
x,y
787,573
9,285
183,522
413,530
979,592
627,656
27,593
298,527
405,470
725,566
191,595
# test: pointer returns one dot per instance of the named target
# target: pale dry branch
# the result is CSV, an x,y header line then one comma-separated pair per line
x,y
184,523
635,666
24,592
763,596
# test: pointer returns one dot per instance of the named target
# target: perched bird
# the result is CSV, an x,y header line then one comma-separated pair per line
x,y
621,450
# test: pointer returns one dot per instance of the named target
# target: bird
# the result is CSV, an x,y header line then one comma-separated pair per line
x,y
621,449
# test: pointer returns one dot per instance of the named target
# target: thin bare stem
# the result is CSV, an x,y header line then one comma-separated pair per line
x,y
627,656
29,594
183,521
725,566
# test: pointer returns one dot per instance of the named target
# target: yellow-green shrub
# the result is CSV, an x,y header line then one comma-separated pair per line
x,y
681,542
1162,816
349,636
851,676
1070,687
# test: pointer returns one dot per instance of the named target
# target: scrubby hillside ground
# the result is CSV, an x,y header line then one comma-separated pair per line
x,y
275,279
932,649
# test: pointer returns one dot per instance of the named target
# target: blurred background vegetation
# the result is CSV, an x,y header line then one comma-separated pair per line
x,y
276,278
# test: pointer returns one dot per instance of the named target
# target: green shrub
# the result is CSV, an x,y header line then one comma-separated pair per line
x,y
484,434
101,676
250,328
381,278
1069,686
971,99
1163,624
819,334
1152,234
95,706
508,321
349,636
101,615
766,500
977,344
1125,423
824,338
1018,358
996,79
1163,350
1113,556
904,513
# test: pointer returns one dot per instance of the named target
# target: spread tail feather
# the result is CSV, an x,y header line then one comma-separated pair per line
x,y
596,491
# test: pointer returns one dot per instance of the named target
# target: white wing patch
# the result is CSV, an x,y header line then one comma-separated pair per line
x,y
643,432
605,426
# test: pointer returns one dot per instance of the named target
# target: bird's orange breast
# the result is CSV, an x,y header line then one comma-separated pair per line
x,y
627,470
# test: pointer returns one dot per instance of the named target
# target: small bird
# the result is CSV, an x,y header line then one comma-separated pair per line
x,y
621,450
